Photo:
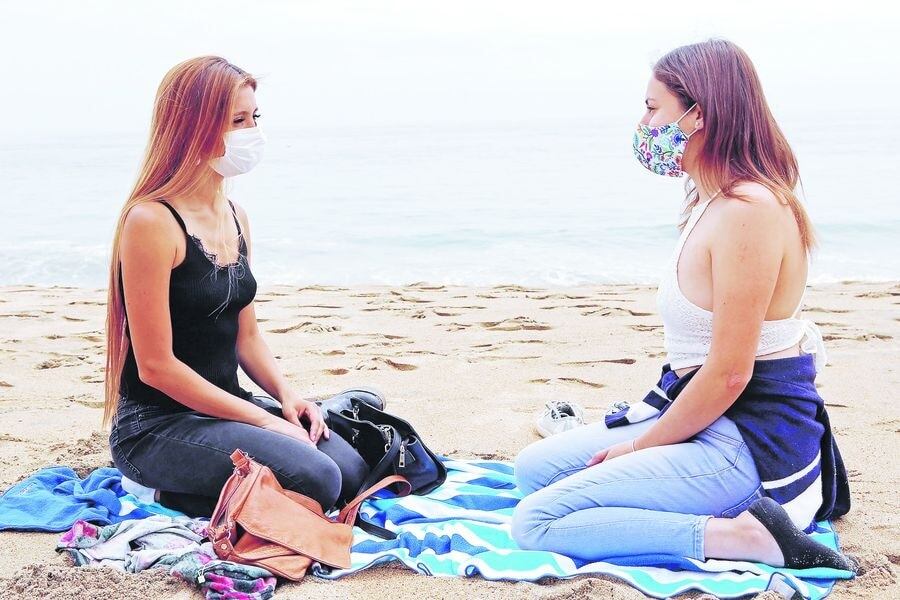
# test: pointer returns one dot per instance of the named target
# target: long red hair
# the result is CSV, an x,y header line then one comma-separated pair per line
x,y
741,141
191,115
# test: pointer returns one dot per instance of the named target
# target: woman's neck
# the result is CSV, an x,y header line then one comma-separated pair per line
x,y
703,194
203,194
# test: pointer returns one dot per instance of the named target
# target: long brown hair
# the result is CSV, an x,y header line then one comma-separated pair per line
x,y
741,140
191,115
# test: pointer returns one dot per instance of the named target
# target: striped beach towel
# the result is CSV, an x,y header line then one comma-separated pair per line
x,y
462,530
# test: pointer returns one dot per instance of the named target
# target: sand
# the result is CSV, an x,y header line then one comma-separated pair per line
x,y
470,367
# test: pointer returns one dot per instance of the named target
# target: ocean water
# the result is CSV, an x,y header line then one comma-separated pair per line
x,y
539,203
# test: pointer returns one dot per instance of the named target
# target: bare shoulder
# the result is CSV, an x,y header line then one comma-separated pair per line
x,y
751,204
149,219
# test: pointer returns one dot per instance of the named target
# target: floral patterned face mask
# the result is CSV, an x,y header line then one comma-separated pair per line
x,y
660,149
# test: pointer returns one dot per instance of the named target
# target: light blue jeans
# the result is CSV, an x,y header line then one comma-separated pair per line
x,y
654,501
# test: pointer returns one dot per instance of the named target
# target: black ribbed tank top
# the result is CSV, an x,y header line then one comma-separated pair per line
x,y
204,301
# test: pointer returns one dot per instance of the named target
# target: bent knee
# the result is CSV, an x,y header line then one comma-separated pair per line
x,y
319,478
529,522
530,469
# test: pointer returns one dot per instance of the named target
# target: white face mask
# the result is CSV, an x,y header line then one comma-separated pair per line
x,y
243,151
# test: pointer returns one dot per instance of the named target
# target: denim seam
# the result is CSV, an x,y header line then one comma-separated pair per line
x,y
568,527
753,495
124,455
724,438
213,448
562,475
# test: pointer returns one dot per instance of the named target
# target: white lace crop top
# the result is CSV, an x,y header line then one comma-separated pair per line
x,y
688,328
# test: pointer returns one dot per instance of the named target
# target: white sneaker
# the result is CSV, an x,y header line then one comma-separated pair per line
x,y
559,416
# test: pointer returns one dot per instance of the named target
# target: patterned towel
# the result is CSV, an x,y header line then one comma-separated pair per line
x,y
462,530
177,544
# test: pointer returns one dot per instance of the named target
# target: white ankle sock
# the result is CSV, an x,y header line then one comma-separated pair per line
x,y
141,492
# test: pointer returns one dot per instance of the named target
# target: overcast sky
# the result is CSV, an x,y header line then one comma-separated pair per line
x,y
85,67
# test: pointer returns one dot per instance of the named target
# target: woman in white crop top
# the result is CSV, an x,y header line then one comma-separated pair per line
x,y
743,462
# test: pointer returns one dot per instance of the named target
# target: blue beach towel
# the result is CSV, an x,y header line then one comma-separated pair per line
x,y
54,498
462,530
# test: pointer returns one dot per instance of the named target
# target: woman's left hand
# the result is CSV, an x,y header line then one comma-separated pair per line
x,y
296,409
610,453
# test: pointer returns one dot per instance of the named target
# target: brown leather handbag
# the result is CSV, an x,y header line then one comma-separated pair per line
x,y
257,522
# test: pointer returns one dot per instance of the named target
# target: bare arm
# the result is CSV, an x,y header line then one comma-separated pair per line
x,y
148,253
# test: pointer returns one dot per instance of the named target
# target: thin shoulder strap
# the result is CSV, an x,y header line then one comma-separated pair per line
x,y
234,214
692,221
176,215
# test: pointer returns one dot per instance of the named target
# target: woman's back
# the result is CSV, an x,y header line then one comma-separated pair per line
x,y
204,301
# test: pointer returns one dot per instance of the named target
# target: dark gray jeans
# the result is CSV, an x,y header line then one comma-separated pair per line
x,y
186,456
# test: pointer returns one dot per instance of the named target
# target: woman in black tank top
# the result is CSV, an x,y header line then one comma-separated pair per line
x,y
181,317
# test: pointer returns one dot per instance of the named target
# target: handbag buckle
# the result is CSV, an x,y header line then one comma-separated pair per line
x,y
401,463
388,433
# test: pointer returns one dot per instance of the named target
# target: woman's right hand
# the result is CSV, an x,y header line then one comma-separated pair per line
x,y
287,428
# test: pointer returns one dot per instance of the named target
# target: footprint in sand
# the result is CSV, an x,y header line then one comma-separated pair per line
x,y
307,327
319,288
77,319
878,294
557,297
618,361
645,327
403,298
606,311
5,384
87,302
91,337
454,326
419,314
574,380
88,400
330,306
61,361
425,286
827,310
377,363
515,324
441,313
515,288
336,371
483,358
865,337
386,336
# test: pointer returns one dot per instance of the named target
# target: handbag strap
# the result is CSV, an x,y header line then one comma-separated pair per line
x,y
350,513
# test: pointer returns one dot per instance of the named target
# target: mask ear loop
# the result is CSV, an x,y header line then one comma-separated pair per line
x,y
683,116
